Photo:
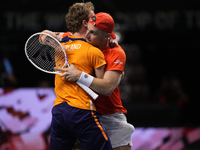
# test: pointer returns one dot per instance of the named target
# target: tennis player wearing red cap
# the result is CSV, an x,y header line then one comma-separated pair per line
x,y
100,31
74,116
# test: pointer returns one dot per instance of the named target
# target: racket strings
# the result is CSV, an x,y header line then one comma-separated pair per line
x,y
45,55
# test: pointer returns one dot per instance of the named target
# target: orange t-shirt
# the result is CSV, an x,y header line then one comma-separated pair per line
x,y
86,58
115,59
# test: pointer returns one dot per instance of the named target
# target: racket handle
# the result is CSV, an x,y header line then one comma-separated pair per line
x,y
88,90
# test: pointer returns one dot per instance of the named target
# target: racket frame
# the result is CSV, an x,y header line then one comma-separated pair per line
x,y
39,33
84,87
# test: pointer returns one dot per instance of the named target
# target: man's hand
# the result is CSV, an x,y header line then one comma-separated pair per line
x,y
71,73
112,43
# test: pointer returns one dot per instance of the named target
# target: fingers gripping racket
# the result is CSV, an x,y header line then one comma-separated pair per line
x,y
47,53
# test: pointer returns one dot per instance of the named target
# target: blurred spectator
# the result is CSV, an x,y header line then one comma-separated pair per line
x,y
7,77
171,91
44,83
134,87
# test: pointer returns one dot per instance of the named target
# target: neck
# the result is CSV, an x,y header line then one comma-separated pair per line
x,y
81,33
104,45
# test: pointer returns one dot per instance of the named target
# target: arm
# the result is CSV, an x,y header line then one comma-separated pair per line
x,y
99,72
115,60
104,84
57,35
110,81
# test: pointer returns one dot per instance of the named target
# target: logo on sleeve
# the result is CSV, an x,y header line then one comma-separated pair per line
x,y
118,62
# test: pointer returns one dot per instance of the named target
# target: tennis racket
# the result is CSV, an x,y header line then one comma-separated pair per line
x,y
47,53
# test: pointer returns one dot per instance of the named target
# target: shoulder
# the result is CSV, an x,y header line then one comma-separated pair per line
x,y
92,48
117,50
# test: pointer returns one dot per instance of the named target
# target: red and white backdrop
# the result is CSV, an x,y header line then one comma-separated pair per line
x,y
25,116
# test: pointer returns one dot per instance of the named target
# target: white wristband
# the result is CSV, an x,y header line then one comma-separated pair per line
x,y
86,79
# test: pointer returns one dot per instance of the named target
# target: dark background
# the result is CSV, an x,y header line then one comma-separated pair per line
x,y
164,33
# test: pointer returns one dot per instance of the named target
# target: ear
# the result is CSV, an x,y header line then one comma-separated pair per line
x,y
85,23
107,36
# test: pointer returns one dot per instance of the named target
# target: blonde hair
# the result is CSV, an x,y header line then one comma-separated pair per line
x,y
77,13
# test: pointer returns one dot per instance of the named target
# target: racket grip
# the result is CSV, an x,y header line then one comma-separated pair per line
x,y
88,90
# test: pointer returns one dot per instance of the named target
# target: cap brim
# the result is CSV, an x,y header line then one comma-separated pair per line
x,y
113,35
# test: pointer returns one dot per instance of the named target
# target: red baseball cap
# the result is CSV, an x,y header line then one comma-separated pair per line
x,y
103,21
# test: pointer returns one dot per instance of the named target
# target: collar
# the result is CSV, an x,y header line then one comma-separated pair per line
x,y
71,38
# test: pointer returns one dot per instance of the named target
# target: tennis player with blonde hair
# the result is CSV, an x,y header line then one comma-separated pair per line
x,y
74,115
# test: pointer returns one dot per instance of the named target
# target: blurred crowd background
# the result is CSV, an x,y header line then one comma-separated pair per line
x,y
161,41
